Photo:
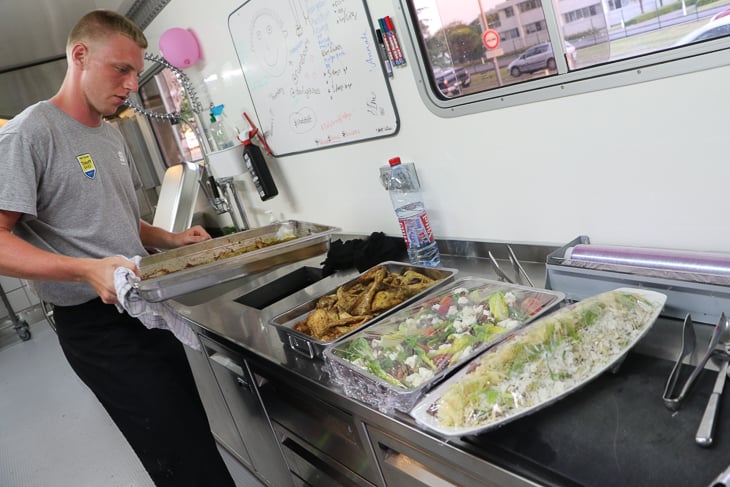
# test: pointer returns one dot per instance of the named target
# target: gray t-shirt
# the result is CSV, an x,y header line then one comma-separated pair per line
x,y
75,187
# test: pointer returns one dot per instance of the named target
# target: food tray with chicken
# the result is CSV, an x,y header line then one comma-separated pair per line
x,y
392,363
361,301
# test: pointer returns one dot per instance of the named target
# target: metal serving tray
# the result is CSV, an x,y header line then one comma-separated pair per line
x,y
562,386
432,326
311,347
191,269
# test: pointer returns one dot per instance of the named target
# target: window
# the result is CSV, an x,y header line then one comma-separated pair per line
x,y
493,20
163,93
534,27
529,5
582,13
509,34
550,49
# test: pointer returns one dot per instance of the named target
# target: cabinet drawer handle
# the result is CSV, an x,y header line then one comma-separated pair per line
x,y
414,469
243,382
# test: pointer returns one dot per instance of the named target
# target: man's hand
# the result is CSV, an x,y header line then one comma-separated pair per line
x,y
191,235
158,238
20,259
100,274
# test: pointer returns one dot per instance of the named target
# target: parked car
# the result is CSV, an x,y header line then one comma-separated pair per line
x,y
451,81
721,14
538,57
714,28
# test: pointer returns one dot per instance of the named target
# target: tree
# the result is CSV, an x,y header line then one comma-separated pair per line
x,y
463,42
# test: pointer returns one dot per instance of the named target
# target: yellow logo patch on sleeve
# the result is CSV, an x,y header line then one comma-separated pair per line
x,y
87,165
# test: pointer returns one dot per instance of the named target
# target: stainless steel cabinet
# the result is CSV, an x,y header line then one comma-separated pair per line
x,y
407,465
219,416
323,444
262,452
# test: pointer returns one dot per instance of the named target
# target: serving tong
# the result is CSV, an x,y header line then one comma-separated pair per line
x,y
519,271
719,349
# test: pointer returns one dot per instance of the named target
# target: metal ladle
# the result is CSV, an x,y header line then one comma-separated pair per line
x,y
707,426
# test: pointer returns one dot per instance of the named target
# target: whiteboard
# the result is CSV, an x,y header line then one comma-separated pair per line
x,y
313,71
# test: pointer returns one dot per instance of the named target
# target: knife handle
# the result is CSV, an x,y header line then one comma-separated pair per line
x,y
707,425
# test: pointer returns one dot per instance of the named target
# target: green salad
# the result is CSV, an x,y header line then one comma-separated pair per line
x,y
413,346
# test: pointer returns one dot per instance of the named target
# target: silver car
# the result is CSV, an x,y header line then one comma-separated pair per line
x,y
538,57
718,26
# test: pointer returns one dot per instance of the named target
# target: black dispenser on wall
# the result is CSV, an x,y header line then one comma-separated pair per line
x,y
257,167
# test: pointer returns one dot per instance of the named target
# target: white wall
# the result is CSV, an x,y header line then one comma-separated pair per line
x,y
643,165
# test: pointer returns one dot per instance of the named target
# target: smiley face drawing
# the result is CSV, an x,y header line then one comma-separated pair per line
x,y
268,42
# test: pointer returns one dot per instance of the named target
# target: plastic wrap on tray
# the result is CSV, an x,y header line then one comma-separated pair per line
x,y
709,267
391,363
540,364
359,302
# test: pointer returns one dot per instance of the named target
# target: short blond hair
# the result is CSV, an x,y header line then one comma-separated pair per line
x,y
100,23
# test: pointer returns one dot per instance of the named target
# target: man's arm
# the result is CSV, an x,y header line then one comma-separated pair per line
x,y
158,238
20,259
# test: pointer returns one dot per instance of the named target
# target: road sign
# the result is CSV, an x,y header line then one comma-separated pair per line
x,y
495,53
490,38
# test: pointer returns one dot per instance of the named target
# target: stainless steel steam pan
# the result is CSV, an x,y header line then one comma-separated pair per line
x,y
312,347
198,266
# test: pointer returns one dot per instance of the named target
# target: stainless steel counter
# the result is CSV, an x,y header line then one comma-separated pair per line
x,y
544,449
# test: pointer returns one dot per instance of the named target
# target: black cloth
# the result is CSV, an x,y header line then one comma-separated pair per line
x,y
363,254
143,379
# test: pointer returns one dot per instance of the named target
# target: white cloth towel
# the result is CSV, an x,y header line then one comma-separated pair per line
x,y
152,315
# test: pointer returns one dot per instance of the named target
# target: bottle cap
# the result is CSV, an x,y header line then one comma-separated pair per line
x,y
243,137
394,161
216,110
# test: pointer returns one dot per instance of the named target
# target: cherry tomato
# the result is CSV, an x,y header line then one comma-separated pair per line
x,y
445,305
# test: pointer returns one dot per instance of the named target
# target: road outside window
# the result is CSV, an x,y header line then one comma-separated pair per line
x,y
539,40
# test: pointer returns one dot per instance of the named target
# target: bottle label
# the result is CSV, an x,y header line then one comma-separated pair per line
x,y
416,231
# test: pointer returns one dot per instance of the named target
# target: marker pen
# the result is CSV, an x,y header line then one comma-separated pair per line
x,y
388,44
383,53
391,43
397,52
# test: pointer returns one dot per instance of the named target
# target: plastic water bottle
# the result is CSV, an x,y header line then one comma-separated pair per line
x,y
405,193
220,131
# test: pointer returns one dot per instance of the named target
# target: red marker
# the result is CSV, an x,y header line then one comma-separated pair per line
x,y
390,50
396,45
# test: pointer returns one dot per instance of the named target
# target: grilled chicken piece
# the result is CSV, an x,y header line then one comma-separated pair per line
x,y
377,272
327,302
320,320
323,328
346,297
364,301
356,298
384,300
416,281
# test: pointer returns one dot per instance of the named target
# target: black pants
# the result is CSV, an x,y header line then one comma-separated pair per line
x,y
143,380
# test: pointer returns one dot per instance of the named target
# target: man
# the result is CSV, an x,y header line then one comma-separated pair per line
x,y
68,213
